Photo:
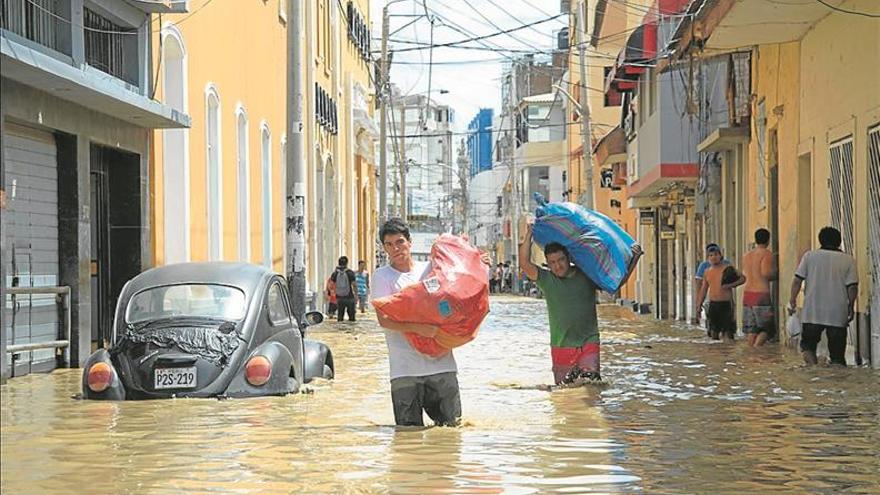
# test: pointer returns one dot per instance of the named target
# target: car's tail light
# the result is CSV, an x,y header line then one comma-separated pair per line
x,y
100,376
257,370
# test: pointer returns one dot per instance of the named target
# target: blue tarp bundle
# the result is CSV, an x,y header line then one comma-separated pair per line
x,y
597,245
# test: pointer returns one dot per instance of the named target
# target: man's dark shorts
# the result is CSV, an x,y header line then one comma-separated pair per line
x,y
436,394
720,319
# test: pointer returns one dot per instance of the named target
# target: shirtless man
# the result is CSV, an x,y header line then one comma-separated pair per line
x,y
759,267
720,319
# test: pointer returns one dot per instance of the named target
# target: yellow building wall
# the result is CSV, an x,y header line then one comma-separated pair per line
x,y
341,212
816,91
240,49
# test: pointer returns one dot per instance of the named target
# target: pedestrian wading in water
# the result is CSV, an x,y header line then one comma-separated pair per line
x,y
718,283
571,307
419,383
832,285
759,314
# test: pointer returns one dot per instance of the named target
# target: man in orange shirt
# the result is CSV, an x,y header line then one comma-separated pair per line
x,y
718,283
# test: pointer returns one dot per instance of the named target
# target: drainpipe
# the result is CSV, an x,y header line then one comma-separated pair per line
x,y
296,169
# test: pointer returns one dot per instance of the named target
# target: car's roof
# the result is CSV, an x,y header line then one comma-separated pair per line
x,y
245,276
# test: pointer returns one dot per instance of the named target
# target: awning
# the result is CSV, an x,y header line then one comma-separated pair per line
x,y
611,148
633,60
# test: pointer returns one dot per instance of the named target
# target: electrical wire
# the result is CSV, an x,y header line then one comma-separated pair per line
x,y
845,11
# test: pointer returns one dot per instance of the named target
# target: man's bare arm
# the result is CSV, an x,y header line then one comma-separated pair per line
x,y
741,280
637,253
701,296
525,255
417,328
795,290
852,292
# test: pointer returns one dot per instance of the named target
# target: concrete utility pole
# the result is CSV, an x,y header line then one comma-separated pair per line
x,y
514,177
586,196
383,119
296,169
402,165
4,366
463,171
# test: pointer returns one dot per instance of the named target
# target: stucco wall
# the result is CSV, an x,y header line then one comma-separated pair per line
x,y
246,64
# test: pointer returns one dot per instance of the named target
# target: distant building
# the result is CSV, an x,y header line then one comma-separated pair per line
x,y
479,141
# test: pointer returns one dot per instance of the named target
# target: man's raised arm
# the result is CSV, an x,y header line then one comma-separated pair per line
x,y
525,254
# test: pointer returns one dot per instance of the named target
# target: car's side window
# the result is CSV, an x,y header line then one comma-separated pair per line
x,y
278,314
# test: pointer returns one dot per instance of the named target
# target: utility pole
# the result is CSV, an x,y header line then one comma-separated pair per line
x,y
402,166
514,177
296,170
586,196
463,171
383,118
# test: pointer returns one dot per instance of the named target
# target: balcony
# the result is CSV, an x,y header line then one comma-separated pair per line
x,y
42,48
44,22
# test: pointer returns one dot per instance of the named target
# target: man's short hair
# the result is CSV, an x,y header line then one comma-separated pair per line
x,y
713,248
711,245
829,237
555,247
394,226
762,236
362,262
343,261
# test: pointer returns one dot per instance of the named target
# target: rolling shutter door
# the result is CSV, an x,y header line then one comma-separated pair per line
x,y
32,243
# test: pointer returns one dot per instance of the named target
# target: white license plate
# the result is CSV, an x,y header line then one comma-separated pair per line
x,y
175,378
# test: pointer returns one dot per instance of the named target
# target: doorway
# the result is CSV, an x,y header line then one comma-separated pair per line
x,y
116,232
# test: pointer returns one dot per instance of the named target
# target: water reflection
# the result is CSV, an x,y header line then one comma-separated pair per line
x,y
678,414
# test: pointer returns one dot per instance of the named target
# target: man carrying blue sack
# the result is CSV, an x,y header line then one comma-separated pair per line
x,y
571,307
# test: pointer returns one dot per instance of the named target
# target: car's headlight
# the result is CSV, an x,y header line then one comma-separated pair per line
x,y
100,376
258,370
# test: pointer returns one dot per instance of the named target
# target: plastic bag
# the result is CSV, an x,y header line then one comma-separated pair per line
x,y
793,326
597,245
454,296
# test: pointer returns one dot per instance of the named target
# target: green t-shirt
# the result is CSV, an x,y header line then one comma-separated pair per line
x,y
571,304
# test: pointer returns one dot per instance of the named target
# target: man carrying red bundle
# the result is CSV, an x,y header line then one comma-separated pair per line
x,y
419,383
571,306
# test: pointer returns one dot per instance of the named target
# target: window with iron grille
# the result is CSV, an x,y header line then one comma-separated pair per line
x,y
110,47
842,190
46,22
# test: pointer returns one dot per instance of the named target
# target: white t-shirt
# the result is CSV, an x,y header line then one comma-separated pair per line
x,y
827,274
404,360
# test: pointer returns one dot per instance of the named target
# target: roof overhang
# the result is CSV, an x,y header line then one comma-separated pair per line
x,y
161,6
611,148
83,85
729,25
724,138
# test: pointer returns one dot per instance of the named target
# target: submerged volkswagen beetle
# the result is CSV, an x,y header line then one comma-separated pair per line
x,y
205,330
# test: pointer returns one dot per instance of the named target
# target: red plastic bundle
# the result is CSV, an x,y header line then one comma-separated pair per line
x,y
454,297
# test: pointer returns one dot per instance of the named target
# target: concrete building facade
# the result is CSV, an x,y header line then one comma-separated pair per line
x,y
78,113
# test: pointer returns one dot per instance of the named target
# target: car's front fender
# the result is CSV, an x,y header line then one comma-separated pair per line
x,y
116,391
279,381
317,360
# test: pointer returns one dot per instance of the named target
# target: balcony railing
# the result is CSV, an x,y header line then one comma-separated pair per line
x,y
45,22
111,48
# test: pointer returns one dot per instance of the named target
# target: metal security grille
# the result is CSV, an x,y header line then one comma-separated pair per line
x,y
874,236
33,19
108,46
842,191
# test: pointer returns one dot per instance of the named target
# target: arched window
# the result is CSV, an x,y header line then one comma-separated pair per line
x,y
266,159
243,168
175,150
214,173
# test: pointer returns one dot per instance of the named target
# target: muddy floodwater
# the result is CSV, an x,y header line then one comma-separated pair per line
x,y
678,414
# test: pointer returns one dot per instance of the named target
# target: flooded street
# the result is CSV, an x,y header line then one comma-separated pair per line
x,y
679,414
